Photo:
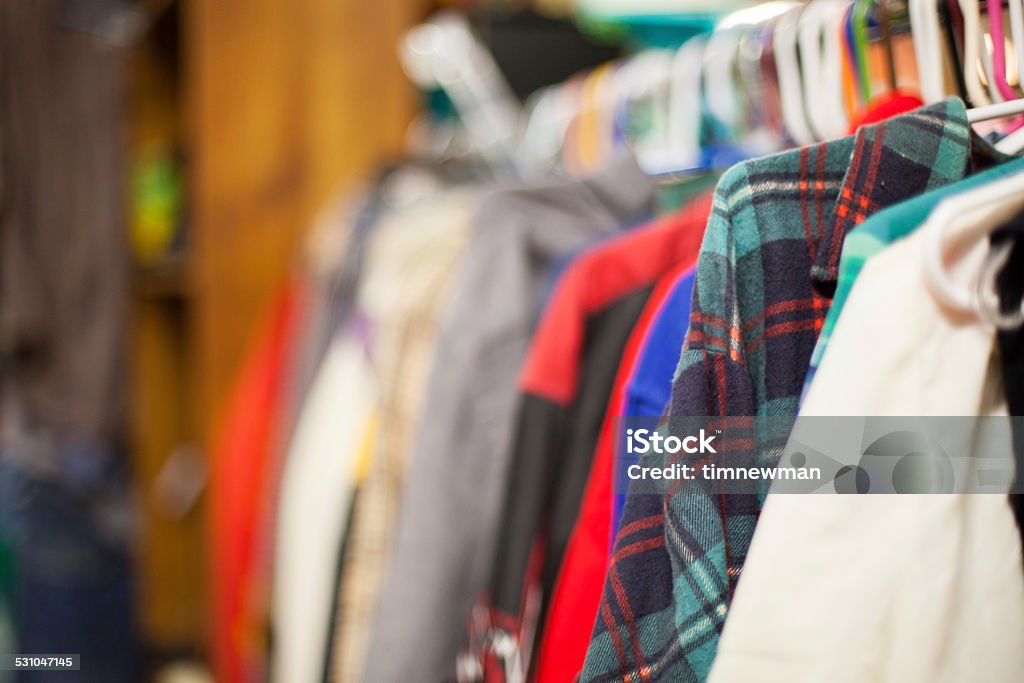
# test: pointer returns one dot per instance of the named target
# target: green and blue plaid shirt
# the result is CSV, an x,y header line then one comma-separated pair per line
x,y
764,283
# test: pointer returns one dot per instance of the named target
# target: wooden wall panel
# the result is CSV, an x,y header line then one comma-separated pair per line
x,y
171,564
287,100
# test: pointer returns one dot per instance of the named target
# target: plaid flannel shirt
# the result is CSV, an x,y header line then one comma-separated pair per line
x,y
764,280
883,229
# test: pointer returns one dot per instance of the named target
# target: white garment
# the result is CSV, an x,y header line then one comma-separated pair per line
x,y
886,588
316,489
320,471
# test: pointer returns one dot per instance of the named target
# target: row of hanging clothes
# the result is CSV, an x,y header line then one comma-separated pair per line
x,y
796,214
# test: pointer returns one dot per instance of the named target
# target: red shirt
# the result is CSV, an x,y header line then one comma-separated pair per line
x,y
242,460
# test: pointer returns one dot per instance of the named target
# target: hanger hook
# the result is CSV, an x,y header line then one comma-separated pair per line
x,y
985,294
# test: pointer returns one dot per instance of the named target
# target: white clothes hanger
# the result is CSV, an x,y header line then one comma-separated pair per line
x,y
965,219
646,83
787,67
809,41
720,58
925,52
924,22
547,119
719,86
988,67
1017,34
986,292
824,92
1012,144
995,111
609,93
972,53
834,25
684,111
444,52
815,102
723,62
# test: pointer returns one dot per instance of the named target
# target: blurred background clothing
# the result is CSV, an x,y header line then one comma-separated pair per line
x,y
64,293
164,165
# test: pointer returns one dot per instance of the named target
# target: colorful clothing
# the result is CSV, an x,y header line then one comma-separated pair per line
x,y
764,282
452,499
565,387
908,588
577,592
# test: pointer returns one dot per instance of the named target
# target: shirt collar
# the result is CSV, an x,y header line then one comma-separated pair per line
x,y
894,160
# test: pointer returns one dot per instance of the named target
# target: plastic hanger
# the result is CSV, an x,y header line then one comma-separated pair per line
x,y
444,52
859,25
999,110
754,91
1017,35
972,53
809,39
995,27
647,90
590,131
986,292
721,58
615,119
966,219
571,96
717,79
1012,144
987,66
950,37
882,16
595,122
760,80
834,27
821,61
851,70
862,13
761,94
684,118
544,129
769,74
924,22
719,87
787,67
684,152
586,129
609,92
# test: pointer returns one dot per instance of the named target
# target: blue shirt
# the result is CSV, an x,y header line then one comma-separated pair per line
x,y
650,386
